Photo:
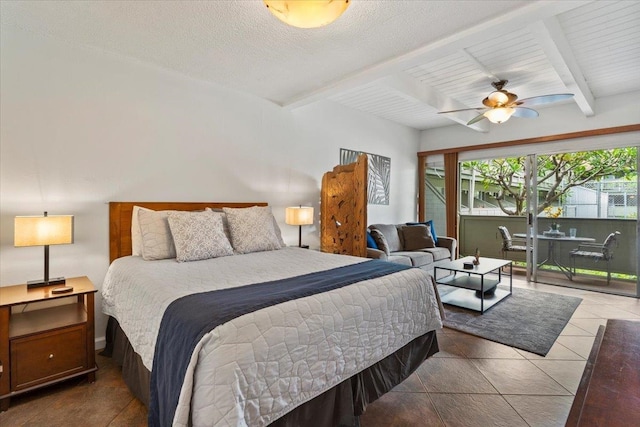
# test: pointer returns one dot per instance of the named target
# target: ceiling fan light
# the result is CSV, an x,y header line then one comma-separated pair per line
x,y
307,13
498,97
499,115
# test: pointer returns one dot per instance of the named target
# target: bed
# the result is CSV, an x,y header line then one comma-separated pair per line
x,y
346,330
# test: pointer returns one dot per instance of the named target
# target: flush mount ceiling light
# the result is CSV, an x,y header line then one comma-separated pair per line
x,y
307,13
500,105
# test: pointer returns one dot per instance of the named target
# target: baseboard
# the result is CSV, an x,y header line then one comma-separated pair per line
x,y
101,342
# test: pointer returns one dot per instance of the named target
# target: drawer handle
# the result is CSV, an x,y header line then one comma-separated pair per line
x,y
51,356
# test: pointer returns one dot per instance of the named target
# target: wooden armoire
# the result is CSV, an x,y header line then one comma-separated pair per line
x,y
343,209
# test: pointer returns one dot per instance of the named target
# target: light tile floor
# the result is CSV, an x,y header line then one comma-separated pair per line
x,y
470,382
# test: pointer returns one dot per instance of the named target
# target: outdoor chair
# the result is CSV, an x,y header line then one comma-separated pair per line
x,y
596,252
508,245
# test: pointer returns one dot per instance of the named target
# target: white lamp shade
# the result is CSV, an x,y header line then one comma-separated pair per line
x,y
43,230
299,215
307,13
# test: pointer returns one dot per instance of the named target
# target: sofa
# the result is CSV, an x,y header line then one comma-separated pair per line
x,y
413,244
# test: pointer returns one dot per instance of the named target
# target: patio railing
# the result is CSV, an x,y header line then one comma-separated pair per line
x,y
481,232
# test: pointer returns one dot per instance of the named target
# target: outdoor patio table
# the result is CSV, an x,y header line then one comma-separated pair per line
x,y
551,253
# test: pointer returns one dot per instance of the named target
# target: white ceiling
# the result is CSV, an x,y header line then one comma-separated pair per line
x,y
403,60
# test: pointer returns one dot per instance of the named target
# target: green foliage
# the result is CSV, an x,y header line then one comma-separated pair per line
x,y
556,174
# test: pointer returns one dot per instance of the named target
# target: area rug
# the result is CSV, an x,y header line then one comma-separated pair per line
x,y
528,320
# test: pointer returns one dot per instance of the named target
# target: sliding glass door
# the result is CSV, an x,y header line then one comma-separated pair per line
x,y
584,214
566,218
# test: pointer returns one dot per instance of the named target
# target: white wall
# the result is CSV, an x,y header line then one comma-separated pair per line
x,y
81,127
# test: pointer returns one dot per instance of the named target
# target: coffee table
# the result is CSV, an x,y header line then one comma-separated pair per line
x,y
478,287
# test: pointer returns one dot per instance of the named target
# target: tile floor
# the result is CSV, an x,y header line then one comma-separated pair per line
x,y
471,382
475,382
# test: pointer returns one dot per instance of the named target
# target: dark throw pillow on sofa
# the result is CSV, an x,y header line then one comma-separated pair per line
x,y
380,240
430,225
417,237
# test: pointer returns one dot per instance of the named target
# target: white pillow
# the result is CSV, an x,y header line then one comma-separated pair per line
x,y
136,234
252,229
198,235
157,242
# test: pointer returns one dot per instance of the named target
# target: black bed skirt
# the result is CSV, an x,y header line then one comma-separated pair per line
x,y
342,405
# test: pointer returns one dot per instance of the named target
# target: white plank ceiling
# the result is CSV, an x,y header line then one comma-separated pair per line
x,y
397,59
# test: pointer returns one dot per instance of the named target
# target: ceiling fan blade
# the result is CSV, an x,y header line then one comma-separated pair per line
x,y
545,99
523,112
462,109
476,119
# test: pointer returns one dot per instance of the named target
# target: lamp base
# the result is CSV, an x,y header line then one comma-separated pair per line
x,y
40,283
304,246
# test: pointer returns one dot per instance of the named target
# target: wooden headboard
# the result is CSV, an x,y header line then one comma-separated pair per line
x,y
120,219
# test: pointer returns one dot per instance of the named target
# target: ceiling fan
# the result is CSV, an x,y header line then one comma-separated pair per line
x,y
500,105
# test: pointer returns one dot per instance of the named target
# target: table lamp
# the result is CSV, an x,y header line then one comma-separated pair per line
x,y
43,231
299,215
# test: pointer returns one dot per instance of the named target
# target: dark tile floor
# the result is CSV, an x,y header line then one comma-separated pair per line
x,y
470,382
107,402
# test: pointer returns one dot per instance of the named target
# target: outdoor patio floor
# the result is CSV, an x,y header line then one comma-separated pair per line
x,y
584,282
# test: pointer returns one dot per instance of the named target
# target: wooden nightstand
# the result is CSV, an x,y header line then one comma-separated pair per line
x,y
45,345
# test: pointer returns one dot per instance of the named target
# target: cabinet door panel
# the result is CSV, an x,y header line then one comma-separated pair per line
x,y
4,354
47,356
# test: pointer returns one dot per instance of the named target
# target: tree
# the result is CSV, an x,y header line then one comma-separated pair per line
x,y
556,173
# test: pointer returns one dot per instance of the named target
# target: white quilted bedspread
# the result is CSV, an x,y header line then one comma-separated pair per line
x,y
254,369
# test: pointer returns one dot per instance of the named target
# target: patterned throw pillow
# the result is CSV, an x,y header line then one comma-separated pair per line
x,y
380,240
223,217
252,229
157,242
225,223
198,235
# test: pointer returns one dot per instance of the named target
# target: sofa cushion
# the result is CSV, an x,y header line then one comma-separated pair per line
x,y
418,258
417,237
399,259
390,232
380,240
438,253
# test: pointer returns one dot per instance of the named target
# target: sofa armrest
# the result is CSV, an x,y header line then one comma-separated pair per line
x,y
376,254
449,243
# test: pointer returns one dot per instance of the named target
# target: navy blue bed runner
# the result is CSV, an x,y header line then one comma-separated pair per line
x,y
189,318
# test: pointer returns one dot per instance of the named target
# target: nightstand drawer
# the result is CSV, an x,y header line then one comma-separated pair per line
x,y
44,357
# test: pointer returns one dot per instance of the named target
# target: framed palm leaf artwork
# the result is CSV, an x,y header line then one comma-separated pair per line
x,y
379,174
